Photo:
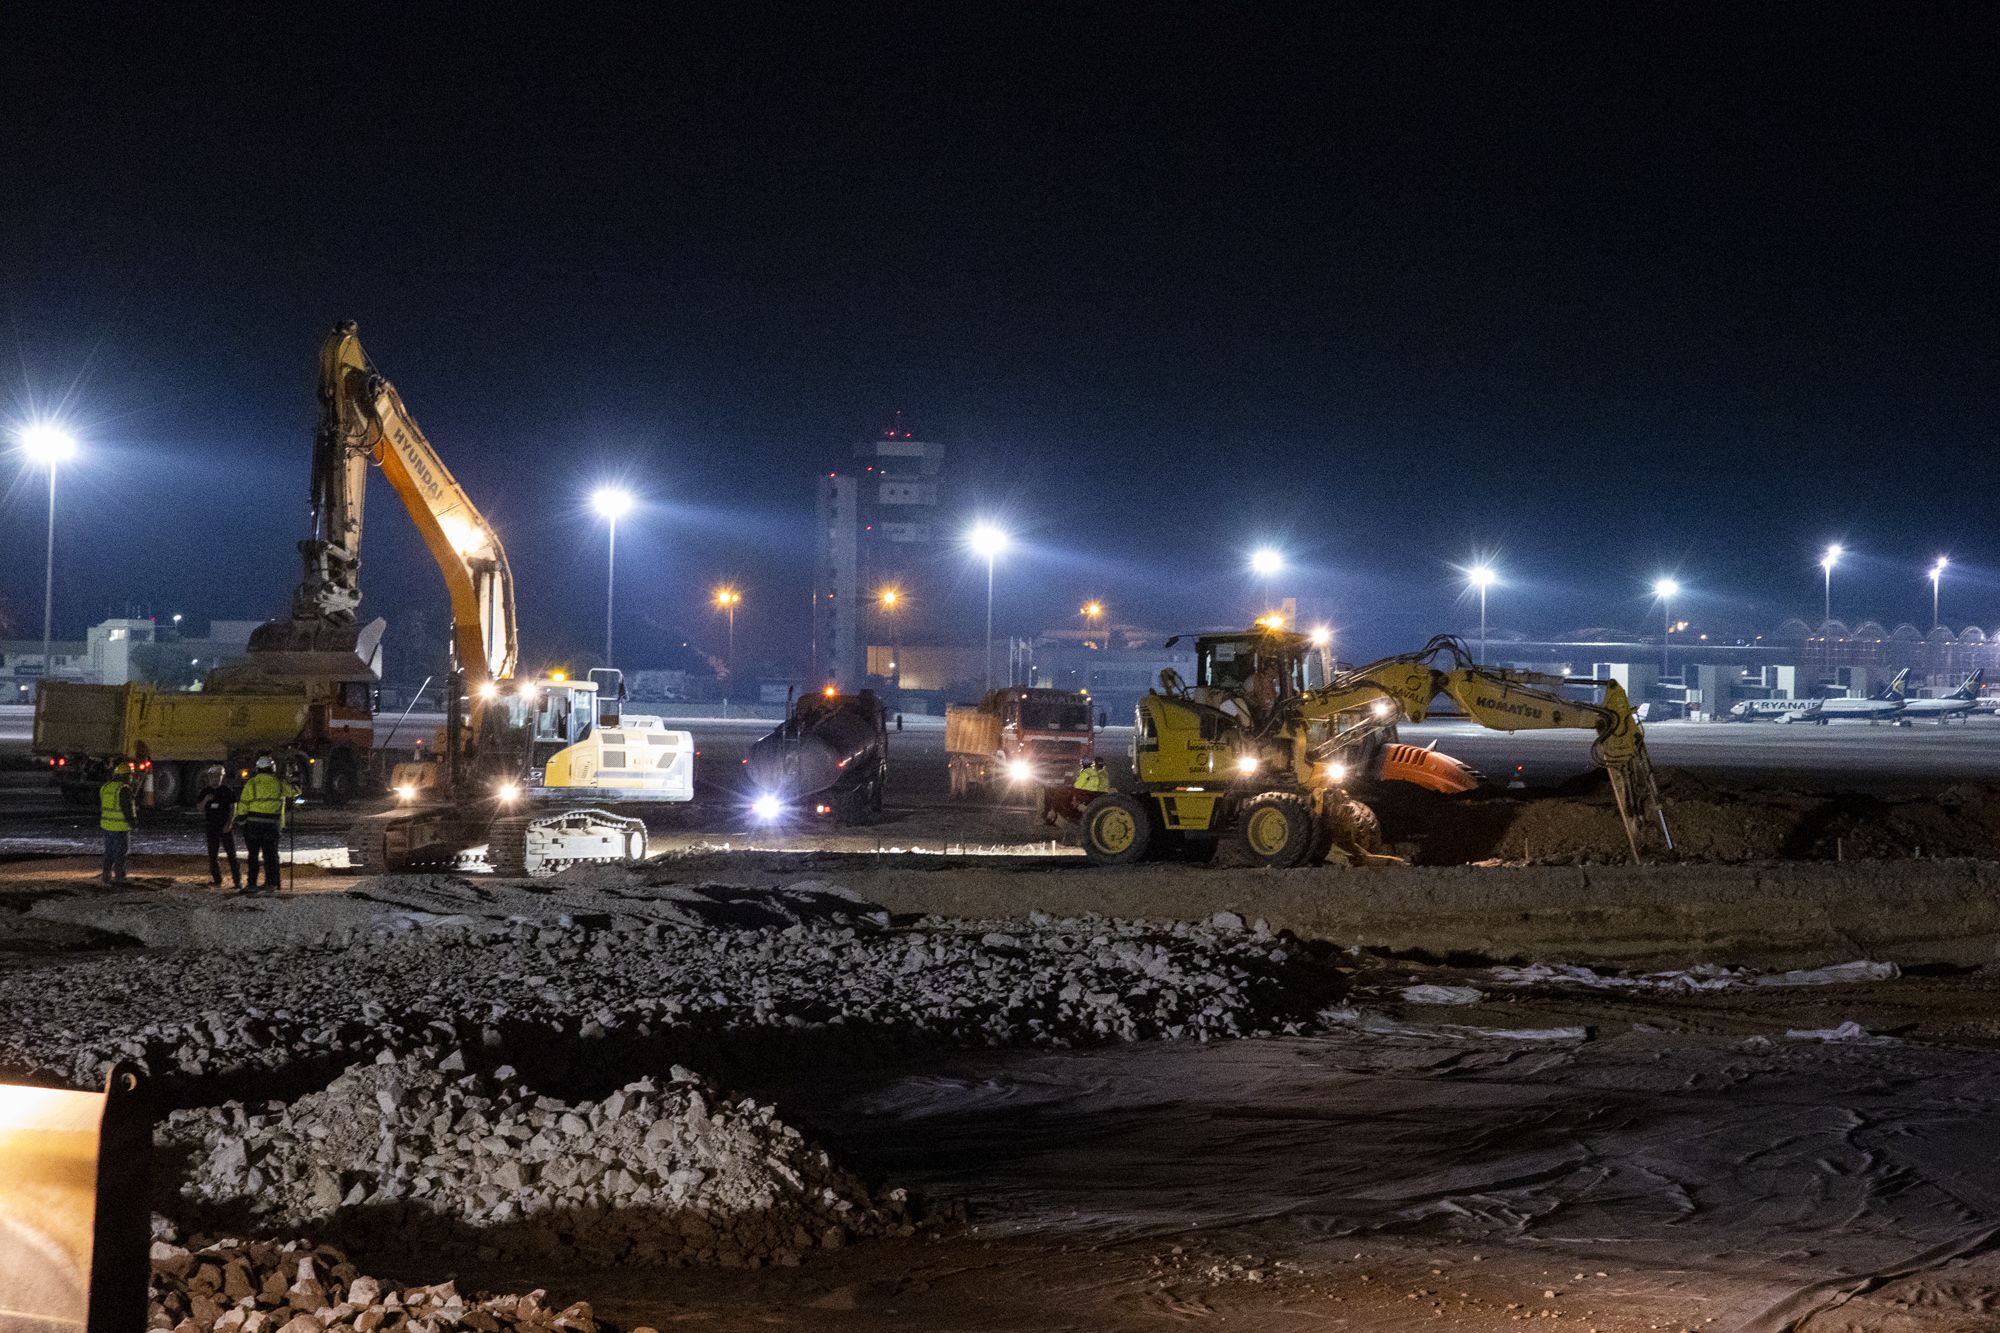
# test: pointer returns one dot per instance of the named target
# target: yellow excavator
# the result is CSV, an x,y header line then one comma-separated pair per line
x,y
519,760
1265,744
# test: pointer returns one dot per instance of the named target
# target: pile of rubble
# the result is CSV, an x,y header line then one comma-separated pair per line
x,y
236,1286
488,984
417,1151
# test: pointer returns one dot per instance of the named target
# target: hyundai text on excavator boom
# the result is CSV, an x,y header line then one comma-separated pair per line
x,y
1265,744
515,753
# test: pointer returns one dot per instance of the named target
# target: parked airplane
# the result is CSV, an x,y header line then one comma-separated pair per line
x,y
1888,702
1959,704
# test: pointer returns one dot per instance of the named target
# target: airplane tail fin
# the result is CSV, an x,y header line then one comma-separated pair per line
x,y
1970,689
1894,689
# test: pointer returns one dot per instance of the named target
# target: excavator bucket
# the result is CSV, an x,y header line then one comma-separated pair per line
x,y
1424,767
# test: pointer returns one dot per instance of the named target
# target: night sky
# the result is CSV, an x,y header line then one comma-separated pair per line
x,y
1599,291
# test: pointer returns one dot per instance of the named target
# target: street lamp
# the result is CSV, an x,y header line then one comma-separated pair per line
x,y
1666,590
729,599
987,541
1937,573
612,504
1091,611
48,446
1266,562
1481,577
1826,564
888,599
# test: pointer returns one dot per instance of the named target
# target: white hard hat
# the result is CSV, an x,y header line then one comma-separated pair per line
x,y
265,763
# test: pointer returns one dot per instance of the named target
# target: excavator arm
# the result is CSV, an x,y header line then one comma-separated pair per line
x,y
363,422
1505,700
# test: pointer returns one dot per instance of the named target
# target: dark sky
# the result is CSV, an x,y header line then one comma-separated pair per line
x,y
1600,290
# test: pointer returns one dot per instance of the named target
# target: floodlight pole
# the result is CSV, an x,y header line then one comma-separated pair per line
x,y
989,622
1482,624
610,582
49,583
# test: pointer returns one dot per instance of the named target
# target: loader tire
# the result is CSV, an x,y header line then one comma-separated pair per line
x,y
1348,831
1117,830
1277,830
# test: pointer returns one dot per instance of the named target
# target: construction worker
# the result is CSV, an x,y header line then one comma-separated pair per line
x,y
218,812
1092,779
117,811
260,813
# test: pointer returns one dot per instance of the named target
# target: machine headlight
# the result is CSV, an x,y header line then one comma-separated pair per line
x,y
767,807
1336,772
508,791
488,690
1246,764
1020,770
406,792
1384,707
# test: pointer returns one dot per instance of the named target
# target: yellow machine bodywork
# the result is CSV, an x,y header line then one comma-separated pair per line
x,y
1263,747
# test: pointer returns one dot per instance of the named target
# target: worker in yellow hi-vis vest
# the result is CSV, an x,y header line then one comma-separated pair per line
x,y
117,811
260,814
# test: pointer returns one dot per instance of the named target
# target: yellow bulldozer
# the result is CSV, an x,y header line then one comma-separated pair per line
x,y
1267,743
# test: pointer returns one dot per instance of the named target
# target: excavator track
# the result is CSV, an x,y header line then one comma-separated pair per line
x,y
534,846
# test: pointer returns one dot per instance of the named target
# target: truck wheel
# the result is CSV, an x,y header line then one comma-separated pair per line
x,y
1277,830
1117,830
166,785
343,780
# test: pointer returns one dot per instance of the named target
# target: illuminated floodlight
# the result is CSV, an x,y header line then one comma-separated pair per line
x,y
1266,561
611,502
1939,567
986,540
1831,558
44,442
1092,611
1271,620
1666,589
889,597
767,807
1321,636
1481,576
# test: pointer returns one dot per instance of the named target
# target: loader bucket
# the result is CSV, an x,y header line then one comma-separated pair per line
x,y
1427,768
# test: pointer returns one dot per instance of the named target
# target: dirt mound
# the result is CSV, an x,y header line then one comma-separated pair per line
x,y
1711,823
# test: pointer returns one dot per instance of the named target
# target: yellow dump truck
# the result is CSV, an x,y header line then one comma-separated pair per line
x,y
82,730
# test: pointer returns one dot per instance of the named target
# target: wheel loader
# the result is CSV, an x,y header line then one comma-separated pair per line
x,y
1266,745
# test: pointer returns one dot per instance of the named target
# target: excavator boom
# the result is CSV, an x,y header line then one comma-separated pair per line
x,y
363,422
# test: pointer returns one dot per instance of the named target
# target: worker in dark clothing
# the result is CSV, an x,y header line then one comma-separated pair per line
x,y
117,811
260,813
218,812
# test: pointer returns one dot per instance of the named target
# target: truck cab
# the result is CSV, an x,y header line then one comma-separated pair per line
x,y
1019,739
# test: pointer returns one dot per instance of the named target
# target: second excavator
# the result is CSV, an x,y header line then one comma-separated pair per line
x,y
1266,745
